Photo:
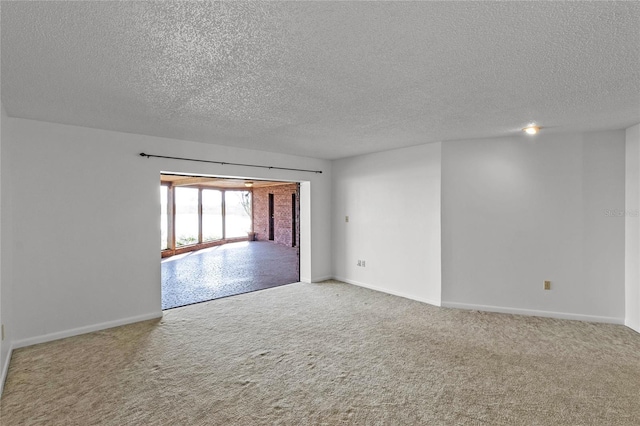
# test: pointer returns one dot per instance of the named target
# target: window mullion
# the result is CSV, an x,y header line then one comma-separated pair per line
x,y
200,215
224,215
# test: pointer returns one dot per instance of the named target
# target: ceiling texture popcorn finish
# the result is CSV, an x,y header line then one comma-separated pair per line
x,y
323,79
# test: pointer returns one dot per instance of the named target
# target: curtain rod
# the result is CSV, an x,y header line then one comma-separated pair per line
x,y
223,163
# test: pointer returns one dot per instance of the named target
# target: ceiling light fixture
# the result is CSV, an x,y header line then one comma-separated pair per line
x,y
531,129
248,184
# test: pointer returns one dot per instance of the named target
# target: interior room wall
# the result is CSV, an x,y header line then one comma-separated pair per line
x,y
517,211
86,225
392,200
2,118
5,295
306,265
632,228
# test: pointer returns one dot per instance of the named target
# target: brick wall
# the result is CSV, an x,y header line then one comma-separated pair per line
x,y
282,213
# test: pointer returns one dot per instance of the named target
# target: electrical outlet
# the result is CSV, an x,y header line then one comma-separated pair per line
x,y
346,218
359,262
364,264
547,285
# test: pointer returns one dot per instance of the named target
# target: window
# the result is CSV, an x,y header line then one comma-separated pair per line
x,y
191,215
211,215
187,221
237,213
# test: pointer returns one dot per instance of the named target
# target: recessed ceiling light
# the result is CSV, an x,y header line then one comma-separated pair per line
x,y
248,184
531,129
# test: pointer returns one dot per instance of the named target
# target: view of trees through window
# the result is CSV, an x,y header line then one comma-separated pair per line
x,y
238,213
205,215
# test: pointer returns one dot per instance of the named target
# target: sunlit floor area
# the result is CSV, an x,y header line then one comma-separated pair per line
x,y
226,270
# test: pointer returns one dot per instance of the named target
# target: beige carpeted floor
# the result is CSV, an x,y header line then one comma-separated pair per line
x,y
329,354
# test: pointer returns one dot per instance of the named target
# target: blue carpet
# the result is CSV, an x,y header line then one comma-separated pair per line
x,y
226,270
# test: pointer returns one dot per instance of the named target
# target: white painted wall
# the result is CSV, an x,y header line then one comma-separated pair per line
x,y
5,345
392,199
632,228
517,211
85,244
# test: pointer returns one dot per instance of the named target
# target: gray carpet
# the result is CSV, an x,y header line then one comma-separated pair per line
x,y
226,270
329,354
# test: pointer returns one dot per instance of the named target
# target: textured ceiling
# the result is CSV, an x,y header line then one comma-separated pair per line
x,y
323,79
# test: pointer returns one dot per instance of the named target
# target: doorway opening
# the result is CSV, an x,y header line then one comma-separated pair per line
x,y
222,236
271,217
295,217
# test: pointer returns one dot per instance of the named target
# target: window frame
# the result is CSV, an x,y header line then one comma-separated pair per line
x,y
171,208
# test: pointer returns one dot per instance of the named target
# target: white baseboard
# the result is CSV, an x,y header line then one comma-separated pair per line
x,y
82,330
385,290
488,308
5,368
320,279
634,327
534,313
